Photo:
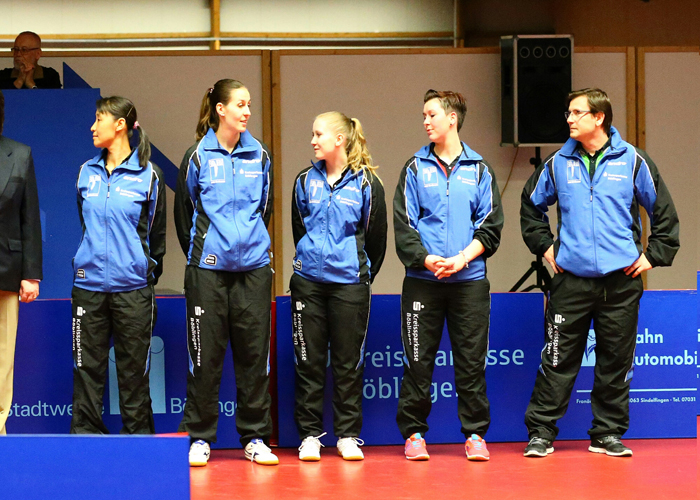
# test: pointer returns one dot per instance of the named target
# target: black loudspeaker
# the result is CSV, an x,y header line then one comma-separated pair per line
x,y
535,80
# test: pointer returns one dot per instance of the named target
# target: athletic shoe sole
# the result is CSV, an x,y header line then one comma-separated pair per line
x,y
535,453
418,458
351,458
198,464
477,458
310,459
626,453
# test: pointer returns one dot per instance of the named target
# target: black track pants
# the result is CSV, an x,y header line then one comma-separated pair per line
x,y
128,317
612,302
329,315
425,305
221,307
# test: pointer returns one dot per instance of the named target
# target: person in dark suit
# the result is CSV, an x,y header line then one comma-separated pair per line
x,y
20,251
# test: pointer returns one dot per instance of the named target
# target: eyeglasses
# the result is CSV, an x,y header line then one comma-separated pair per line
x,y
577,113
22,50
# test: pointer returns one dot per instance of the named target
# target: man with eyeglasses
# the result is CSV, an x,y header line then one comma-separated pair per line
x,y
26,73
598,182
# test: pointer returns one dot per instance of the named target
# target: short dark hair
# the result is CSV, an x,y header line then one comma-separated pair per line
x,y
2,111
450,101
598,102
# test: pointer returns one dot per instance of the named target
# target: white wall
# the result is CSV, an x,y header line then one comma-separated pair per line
x,y
673,142
169,16
100,16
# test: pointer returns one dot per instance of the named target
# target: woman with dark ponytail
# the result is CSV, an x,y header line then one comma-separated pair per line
x,y
121,203
223,203
339,226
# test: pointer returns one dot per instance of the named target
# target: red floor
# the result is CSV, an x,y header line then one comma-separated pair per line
x,y
659,469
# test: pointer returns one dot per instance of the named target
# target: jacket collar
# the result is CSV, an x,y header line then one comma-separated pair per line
x,y
617,145
247,143
467,155
131,162
346,175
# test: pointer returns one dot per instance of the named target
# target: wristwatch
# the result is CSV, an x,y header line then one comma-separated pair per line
x,y
466,261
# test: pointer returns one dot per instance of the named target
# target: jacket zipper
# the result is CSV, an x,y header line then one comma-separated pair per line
x,y
325,234
109,183
233,210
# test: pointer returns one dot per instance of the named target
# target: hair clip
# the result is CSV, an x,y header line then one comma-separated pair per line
x,y
211,89
136,125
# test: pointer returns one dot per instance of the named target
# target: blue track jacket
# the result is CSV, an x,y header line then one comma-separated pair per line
x,y
599,228
339,231
439,215
123,221
223,204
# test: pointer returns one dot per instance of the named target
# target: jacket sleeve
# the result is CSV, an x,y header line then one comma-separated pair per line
x,y
158,224
185,198
30,223
489,215
409,246
538,194
651,192
298,209
266,205
375,224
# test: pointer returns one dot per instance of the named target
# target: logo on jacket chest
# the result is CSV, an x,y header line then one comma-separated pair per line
x,y
573,172
430,177
94,182
315,190
217,172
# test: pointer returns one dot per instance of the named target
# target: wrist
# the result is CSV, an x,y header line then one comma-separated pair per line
x,y
466,261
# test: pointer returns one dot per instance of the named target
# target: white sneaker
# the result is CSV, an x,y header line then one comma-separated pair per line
x,y
199,453
310,449
349,448
257,452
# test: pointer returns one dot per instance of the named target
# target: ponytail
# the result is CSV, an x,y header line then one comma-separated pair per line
x,y
219,93
121,107
355,142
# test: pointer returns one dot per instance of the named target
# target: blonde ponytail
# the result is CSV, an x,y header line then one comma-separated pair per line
x,y
358,155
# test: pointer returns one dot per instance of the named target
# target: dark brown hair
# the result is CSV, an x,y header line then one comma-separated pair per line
x,y
219,93
598,102
121,107
450,101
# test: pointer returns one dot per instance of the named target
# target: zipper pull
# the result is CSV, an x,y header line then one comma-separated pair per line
x,y
448,187
591,193
108,184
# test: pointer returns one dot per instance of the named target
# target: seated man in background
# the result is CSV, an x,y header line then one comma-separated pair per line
x,y
26,73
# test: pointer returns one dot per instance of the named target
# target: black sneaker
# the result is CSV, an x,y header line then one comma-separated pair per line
x,y
610,445
538,447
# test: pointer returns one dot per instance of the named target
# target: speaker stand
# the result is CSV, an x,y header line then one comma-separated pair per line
x,y
542,277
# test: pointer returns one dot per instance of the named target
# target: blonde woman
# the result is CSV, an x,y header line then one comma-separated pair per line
x,y
339,226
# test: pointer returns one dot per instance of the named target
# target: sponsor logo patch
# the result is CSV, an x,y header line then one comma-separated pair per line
x,y
94,182
430,177
217,172
210,260
297,264
80,274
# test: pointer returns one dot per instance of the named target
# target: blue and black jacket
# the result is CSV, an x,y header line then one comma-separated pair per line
x,y
123,220
440,214
599,227
340,230
223,203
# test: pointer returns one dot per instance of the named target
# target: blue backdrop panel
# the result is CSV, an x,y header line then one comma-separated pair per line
x,y
663,397
95,467
56,125
44,373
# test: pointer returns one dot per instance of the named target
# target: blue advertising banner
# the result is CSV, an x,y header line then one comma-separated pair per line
x,y
663,397
663,389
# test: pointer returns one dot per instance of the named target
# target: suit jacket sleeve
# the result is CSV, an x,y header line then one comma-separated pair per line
x,y
30,223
